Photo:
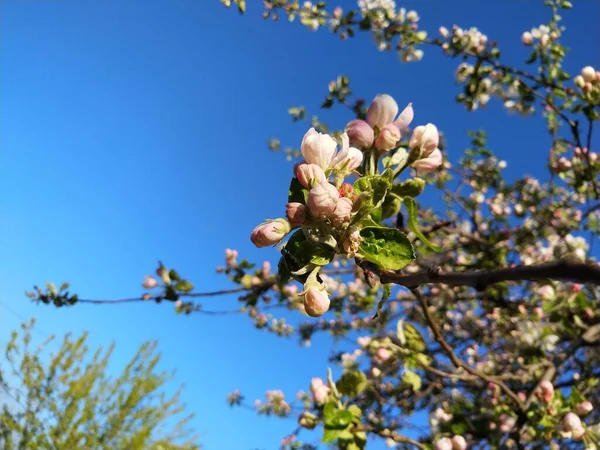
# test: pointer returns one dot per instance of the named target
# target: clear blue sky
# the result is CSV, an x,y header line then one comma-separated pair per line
x,y
133,131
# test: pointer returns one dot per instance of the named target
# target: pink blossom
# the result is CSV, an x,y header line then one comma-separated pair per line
x,y
459,443
382,111
270,232
316,302
443,444
318,148
584,408
309,175
149,282
342,212
319,390
547,390
322,199
360,133
429,164
296,213
388,138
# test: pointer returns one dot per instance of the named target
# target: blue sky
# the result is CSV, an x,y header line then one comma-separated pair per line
x,y
133,131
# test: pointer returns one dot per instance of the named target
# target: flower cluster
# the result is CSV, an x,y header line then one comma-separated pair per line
x,y
326,208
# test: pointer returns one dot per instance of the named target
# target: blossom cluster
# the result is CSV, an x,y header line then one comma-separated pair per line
x,y
330,203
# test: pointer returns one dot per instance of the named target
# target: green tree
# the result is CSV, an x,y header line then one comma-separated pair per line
x,y
67,400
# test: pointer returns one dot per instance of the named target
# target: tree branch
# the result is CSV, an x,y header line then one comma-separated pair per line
x,y
563,270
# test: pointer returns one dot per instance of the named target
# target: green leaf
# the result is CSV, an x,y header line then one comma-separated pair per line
x,y
414,340
297,193
173,275
411,207
389,248
412,378
409,188
299,254
328,412
376,186
330,435
283,273
400,332
387,291
352,383
184,286
390,207
356,413
51,288
341,419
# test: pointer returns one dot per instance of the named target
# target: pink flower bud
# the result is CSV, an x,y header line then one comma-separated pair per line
x,y
360,133
572,423
584,408
270,232
429,140
588,73
547,390
405,117
322,199
383,110
353,159
149,282
342,212
318,148
527,38
444,32
383,354
579,81
316,302
507,423
443,444
459,443
388,138
319,390
429,164
309,175
295,213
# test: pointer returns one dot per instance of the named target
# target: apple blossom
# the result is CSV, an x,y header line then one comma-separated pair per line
x,y
584,408
296,213
429,164
572,424
270,232
352,161
309,175
342,212
459,443
443,444
527,38
149,282
319,390
388,138
382,111
547,390
351,243
426,138
360,133
588,73
316,301
322,199
318,148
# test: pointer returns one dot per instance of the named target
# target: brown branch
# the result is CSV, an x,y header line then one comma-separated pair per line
x,y
563,270
393,435
458,363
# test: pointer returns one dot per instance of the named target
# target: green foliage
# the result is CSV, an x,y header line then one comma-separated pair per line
x,y
67,400
389,248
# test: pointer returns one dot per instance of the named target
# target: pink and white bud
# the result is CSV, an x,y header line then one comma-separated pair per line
x,y
429,164
149,282
383,354
579,81
360,133
584,408
352,243
459,443
388,138
270,232
322,199
353,159
364,341
589,74
382,111
415,139
507,423
571,423
444,32
443,444
405,117
342,212
547,390
527,38
319,390
296,213
309,175
318,148
316,302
